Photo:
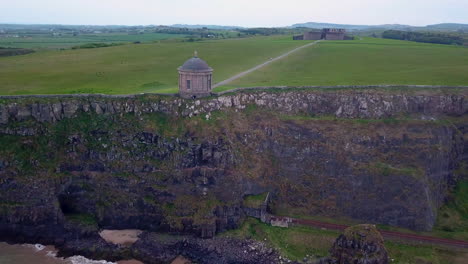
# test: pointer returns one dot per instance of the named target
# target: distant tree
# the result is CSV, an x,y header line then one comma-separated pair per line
x,y
427,37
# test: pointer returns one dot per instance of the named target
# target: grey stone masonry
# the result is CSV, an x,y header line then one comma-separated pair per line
x,y
195,78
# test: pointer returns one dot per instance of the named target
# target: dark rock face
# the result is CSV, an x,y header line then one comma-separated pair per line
x,y
216,250
156,248
361,244
164,164
365,172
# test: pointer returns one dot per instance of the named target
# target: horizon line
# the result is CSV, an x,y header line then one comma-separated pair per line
x,y
219,25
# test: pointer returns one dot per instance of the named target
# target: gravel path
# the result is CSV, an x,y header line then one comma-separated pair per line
x,y
263,64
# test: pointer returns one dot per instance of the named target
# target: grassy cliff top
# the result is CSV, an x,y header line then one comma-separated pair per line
x,y
129,69
363,62
152,67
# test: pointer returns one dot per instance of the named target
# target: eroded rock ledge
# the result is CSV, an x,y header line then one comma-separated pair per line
x,y
343,104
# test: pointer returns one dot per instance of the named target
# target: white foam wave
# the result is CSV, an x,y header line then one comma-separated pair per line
x,y
39,247
73,259
83,260
52,254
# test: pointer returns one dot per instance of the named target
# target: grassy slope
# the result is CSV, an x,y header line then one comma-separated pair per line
x,y
300,241
255,201
131,68
452,220
367,61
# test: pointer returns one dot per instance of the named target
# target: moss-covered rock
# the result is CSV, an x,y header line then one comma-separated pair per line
x,y
360,244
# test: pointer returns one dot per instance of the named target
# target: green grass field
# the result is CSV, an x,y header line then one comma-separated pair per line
x,y
67,41
363,62
301,241
151,67
131,68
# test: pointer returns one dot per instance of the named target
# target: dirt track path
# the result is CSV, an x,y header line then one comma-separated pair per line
x,y
237,76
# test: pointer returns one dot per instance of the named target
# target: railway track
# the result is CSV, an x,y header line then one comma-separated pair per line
x,y
388,234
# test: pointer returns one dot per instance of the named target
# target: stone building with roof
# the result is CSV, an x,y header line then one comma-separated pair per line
x,y
326,33
195,77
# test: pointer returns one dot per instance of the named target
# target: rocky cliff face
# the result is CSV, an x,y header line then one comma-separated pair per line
x,y
342,104
181,166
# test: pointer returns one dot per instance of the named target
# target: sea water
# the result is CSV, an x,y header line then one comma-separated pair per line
x,y
38,254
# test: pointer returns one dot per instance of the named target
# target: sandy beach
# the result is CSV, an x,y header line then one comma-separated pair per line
x,y
124,237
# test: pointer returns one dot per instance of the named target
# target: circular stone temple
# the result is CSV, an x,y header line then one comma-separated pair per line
x,y
195,78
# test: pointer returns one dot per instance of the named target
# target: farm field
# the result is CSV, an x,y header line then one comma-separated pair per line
x,y
68,41
152,67
363,62
132,68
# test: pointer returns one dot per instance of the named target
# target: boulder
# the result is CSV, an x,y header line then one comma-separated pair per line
x,y
360,244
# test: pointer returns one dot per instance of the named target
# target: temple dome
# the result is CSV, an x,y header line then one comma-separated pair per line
x,y
195,64
195,78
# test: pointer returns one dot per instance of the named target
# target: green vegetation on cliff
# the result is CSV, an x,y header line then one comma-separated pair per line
x,y
452,218
255,201
27,152
294,243
301,242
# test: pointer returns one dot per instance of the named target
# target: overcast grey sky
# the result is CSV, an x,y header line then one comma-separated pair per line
x,y
247,13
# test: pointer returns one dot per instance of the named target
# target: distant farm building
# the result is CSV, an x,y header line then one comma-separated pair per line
x,y
195,78
334,33
326,33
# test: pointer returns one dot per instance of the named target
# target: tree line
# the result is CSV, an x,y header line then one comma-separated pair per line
x,y
427,37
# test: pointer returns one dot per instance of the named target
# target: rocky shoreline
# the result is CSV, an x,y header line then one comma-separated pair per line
x,y
361,244
159,248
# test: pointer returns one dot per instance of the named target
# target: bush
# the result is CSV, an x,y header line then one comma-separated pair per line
x,y
96,45
13,51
